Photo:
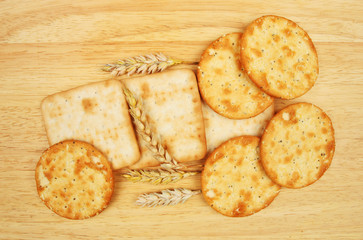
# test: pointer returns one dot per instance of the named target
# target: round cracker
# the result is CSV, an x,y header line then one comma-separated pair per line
x,y
233,180
74,179
279,57
224,86
297,145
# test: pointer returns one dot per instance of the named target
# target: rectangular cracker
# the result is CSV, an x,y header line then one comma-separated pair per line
x,y
219,129
173,107
96,113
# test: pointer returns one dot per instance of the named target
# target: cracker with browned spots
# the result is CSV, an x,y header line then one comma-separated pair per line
x,y
224,86
74,179
233,180
96,113
279,57
219,129
173,108
298,145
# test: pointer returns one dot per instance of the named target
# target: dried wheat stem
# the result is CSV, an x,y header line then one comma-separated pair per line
x,y
144,130
166,197
141,64
157,176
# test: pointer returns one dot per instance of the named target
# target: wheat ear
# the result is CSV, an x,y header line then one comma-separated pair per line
x,y
141,64
143,129
166,197
157,176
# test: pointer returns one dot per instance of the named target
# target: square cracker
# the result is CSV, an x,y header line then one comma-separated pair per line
x,y
219,129
96,113
173,107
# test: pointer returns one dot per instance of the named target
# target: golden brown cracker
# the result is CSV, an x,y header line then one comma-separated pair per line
x,y
298,145
74,179
279,57
233,180
224,86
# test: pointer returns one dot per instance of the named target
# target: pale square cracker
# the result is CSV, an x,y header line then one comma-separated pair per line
x,y
96,113
219,129
172,104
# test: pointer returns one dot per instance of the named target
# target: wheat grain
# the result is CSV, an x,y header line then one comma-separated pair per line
x,y
143,129
141,64
157,176
166,197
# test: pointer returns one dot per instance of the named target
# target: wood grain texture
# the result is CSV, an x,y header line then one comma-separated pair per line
x,y
50,46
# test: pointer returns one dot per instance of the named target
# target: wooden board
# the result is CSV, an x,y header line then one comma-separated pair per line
x,y
50,46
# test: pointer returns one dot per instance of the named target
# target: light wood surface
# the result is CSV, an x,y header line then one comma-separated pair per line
x,y
50,46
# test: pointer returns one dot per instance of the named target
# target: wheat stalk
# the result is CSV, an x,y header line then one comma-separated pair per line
x,y
157,176
141,64
165,197
150,138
